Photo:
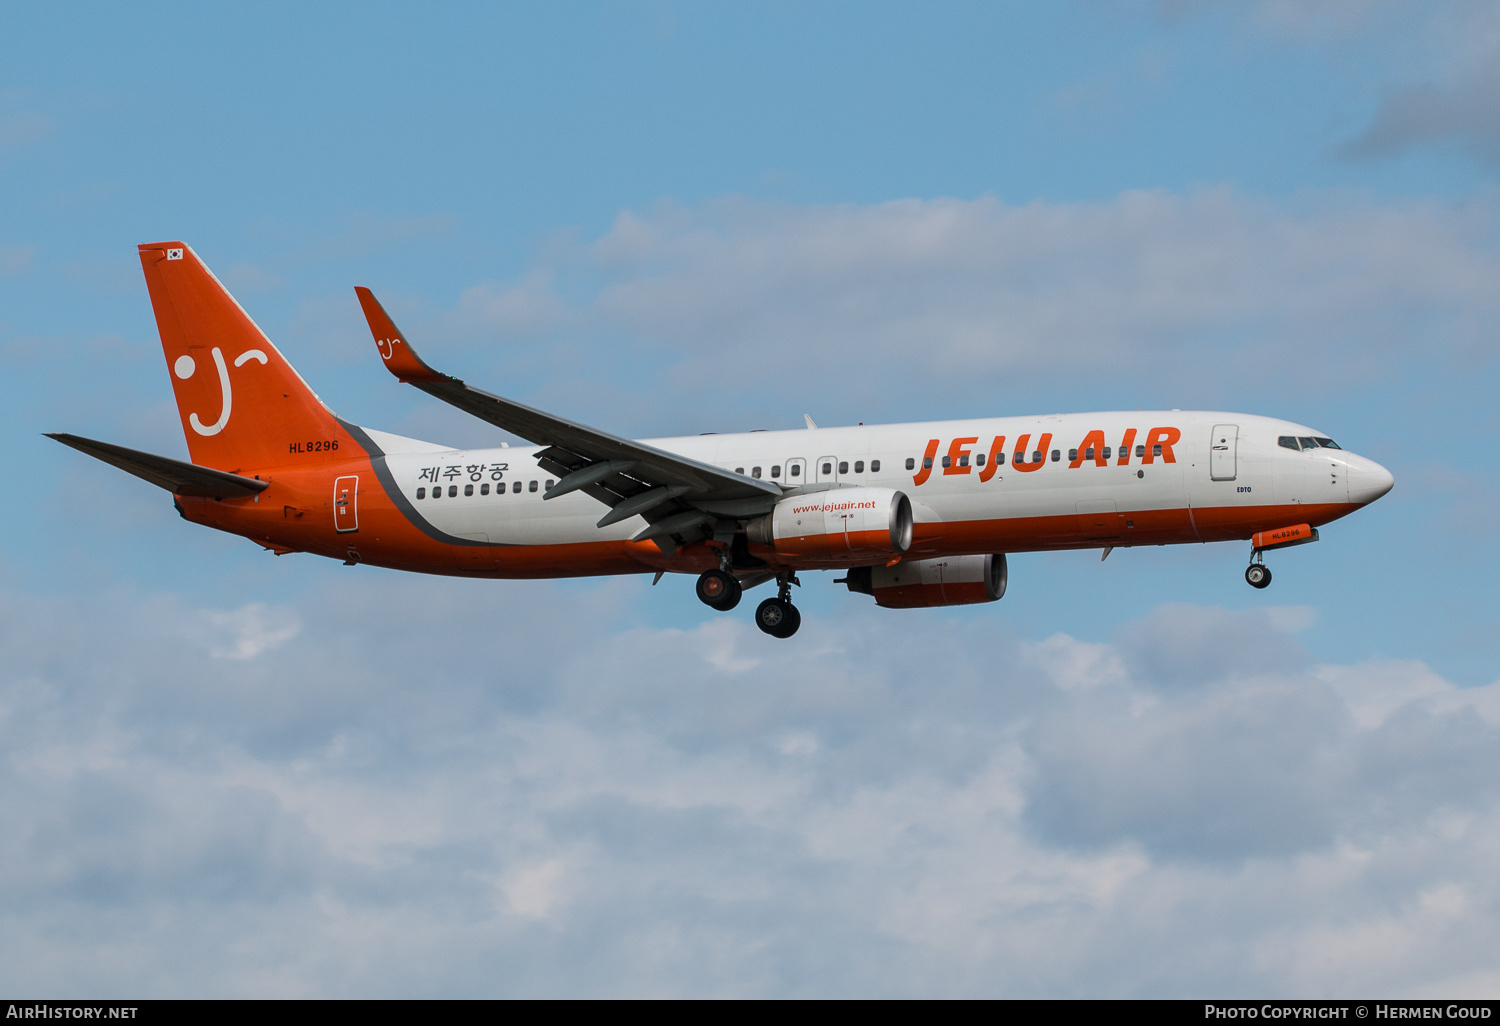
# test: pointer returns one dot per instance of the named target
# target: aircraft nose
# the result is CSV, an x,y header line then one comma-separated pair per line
x,y
1368,481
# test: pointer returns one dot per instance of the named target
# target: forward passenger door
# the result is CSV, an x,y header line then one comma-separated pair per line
x,y
1222,452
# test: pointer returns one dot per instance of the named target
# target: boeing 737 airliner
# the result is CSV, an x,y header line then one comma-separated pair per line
x,y
914,514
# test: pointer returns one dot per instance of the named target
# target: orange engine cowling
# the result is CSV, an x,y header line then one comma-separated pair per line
x,y
946,581
837,526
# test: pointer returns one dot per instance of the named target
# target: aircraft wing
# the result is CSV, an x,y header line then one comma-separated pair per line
x,y
667,489
174,475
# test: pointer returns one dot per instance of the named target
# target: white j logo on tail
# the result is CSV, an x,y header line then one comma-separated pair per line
x,y
184,368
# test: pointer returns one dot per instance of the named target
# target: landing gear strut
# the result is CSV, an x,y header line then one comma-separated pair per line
x,y
719,590
777,616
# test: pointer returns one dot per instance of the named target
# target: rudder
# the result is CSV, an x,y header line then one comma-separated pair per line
x,y
242,405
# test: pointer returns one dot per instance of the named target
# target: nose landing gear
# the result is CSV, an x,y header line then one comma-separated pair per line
x,y
1257,575
777,616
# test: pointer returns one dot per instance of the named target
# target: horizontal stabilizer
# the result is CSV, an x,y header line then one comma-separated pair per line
x,y
174,475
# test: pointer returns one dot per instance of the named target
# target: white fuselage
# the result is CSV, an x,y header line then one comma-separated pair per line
x,y
1186,493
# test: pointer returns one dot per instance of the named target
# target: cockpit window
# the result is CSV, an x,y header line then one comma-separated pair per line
x,y
1288,442
1328,443
1307,443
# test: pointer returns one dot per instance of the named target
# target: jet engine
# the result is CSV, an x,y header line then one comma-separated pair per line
x,y
833,526
947,581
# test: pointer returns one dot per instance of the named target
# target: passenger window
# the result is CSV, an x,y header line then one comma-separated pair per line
x,y
1140,451
739,470
468,489
1073,455
532,486
926,462
963,461
859,466
1288,442
1036,456
1088,453
484,489
911,464
875,466
1106,452
843,466
979,459
1156,449
516,487
776,470
421,493
828,468
999,458
1056,455
795,470
453,491
947,462
755,472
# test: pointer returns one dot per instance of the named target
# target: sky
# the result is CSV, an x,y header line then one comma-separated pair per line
x,y
225,773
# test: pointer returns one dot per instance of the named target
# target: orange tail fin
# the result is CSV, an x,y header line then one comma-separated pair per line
x,y
242,405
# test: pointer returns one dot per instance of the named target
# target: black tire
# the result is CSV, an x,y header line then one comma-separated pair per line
x,y
719,590
1257,575
792,622
733,598
773,615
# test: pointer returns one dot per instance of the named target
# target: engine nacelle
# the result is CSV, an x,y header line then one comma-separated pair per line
x,y
946,581
837,525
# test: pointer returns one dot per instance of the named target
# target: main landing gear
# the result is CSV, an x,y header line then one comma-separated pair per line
x,y
777,616
1258,575
719,589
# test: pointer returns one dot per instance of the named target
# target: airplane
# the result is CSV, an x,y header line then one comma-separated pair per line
x,y
915,515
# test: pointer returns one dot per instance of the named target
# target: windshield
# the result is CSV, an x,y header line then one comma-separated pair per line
x,y
1298,442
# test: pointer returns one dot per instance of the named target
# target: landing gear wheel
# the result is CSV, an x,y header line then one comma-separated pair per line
x,y
1257,575
719,590
778,618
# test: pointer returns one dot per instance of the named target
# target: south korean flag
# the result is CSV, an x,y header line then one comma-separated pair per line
x,y
174,254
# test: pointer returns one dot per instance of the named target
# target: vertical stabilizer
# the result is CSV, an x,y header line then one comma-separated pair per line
x,y
242,405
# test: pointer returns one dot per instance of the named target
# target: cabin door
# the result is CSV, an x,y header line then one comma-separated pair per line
x,y
1221,452
346,504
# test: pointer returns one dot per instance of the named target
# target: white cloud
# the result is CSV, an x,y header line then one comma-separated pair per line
x,y
532,891
979,299
447,787
237,634
1434,63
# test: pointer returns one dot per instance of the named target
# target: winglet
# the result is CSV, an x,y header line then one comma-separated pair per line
x,y
400,359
